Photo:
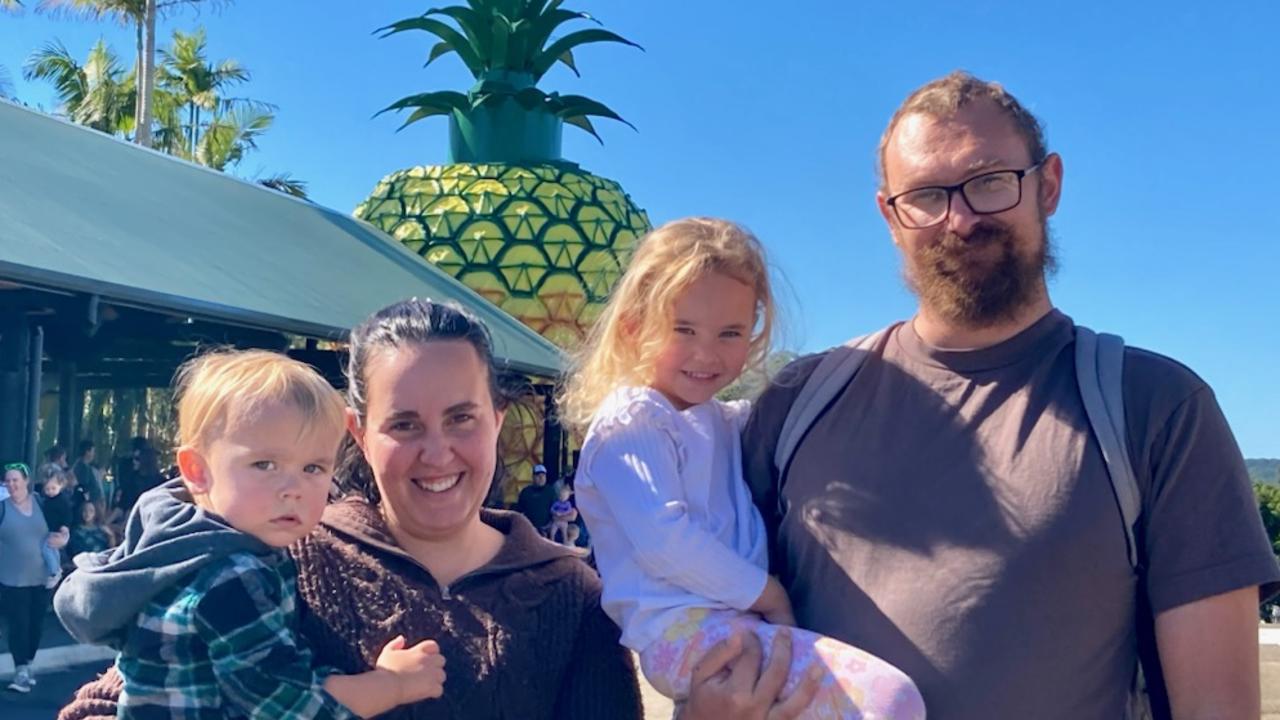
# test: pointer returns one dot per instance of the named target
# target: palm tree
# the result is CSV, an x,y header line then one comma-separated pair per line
x,y
214,129
6,84
197,85
230,136
142,15
98,93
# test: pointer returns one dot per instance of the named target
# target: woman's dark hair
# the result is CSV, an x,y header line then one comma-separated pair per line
x,y
148,463
397,325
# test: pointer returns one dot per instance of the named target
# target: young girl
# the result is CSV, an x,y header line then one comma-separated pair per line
x,y
680,547
562,515
89,535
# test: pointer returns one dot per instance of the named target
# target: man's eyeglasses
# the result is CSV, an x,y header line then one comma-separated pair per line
x,y
986,194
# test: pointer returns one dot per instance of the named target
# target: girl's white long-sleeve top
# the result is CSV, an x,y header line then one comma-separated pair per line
x,y
670,515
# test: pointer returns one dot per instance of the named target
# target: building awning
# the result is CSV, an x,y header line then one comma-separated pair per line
x,y
88,213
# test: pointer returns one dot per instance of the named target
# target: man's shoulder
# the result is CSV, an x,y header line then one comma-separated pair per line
x,y
771,408
1154,372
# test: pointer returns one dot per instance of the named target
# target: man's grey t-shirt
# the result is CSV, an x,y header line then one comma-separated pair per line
x,y
951,513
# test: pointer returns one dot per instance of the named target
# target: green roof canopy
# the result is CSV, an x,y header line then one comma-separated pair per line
x,y
83,211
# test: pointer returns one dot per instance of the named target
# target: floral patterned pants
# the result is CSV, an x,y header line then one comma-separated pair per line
x,y
855,684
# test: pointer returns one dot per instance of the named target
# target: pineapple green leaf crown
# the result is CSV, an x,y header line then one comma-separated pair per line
x,y
507,47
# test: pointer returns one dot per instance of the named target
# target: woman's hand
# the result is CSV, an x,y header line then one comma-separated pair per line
x,y
58,540
728,682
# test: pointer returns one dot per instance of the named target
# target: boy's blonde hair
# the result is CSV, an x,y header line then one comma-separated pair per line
x,y
215,391
636,322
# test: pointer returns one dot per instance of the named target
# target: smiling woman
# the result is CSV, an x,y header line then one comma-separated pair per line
x,y
410,552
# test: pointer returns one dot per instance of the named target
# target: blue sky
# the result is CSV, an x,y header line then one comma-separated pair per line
x,y
769,113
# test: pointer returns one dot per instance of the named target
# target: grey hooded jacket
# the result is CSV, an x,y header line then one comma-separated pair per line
x,y
167,539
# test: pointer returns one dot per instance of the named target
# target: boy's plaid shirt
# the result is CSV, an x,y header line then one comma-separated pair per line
x,y
225,645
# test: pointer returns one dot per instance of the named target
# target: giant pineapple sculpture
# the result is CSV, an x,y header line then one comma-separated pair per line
x,y
536,235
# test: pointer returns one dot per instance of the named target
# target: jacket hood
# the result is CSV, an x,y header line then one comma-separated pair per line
x,y
167,538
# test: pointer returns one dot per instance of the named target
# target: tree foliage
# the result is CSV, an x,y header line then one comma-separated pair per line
x,y
754,380
97,93
1269,506
197,117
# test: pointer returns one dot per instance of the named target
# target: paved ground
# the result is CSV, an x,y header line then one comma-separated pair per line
x,y
50,694
1270,681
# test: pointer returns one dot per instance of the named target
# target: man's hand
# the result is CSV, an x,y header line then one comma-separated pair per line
x,y
728,682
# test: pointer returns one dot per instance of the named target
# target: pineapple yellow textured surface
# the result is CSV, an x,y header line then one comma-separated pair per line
x,y
545,243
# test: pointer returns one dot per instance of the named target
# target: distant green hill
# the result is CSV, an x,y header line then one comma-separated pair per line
x,y
1264,470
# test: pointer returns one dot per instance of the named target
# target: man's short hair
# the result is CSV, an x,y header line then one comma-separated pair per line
x,y
84,447
944,97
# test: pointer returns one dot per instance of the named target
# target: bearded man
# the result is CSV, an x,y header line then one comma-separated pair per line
x,y
950,510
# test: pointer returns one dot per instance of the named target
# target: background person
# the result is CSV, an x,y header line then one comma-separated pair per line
x,y
58,515
88,482
535,499
24,599
89,534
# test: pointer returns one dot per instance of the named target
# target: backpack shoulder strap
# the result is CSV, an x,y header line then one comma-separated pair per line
x,y
833,373
1100,375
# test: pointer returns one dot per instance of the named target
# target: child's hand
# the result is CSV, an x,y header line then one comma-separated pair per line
x,y
418,670
781,616
774,605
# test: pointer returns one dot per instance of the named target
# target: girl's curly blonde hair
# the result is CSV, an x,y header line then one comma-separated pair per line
x,y
637,320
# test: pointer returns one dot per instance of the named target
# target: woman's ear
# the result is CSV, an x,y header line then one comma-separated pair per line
x,y
195,471
354,427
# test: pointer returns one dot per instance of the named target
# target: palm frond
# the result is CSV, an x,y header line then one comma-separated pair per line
x,y
285,183
124,12
230,137
54,63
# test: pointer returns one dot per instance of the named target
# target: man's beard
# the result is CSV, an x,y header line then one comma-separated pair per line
x,y
958,280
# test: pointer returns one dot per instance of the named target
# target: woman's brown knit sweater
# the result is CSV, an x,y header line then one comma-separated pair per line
x,y
523,637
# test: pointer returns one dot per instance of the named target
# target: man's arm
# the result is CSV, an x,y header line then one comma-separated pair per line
x,y
1209,653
